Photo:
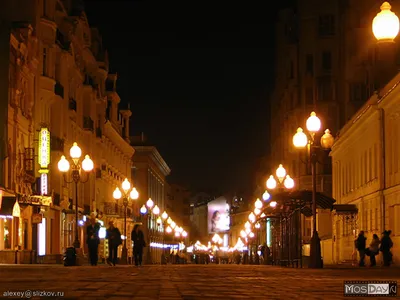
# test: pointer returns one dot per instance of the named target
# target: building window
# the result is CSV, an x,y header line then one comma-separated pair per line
x,y
310,64
326,60
44,61
326,25
309,95
325,89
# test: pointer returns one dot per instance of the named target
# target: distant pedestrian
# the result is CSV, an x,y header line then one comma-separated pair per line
x,y
114,240
93,240
386,245
361,245
374,249
138,244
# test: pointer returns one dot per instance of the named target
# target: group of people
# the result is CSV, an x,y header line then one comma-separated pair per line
x,y
114,238
383,245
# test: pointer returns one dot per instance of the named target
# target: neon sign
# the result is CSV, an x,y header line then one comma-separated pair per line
x,y
43,184
44,148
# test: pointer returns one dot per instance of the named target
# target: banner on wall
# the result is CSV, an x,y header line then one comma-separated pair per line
x,y
218,215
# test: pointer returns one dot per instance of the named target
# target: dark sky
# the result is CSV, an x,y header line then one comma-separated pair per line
x,y
198,75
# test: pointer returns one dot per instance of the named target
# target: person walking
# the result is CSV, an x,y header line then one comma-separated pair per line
x,y
374,249
113,235
93,240
386,245
137,237
361,245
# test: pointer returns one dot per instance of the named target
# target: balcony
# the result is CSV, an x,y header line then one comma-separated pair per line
x,y
88,123
72,104
56,144
111,209
59,89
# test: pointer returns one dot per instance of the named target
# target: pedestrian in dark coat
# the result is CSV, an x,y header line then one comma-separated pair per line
x,y
93,240
361,245
386,245
113,236
137,237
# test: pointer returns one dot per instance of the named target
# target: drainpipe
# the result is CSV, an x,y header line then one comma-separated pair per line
x,y
383,165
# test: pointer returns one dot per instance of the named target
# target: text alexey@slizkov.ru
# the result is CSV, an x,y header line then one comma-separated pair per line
x,y
29,294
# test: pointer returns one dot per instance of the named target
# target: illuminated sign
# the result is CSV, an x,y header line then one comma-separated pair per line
x,y
218,215
44,148
43,184
16,210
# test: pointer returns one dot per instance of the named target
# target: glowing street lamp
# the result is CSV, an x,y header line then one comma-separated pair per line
x,y
126,194
143,210
252,217
258,204
273,204
156,210
385,25
282,177
87,166
266,196
150,203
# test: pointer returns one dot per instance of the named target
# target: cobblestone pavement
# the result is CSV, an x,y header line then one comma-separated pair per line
x,y
182,281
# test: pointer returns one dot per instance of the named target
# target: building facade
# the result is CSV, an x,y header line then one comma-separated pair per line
x,y
150,172
366,173
327,61
60,92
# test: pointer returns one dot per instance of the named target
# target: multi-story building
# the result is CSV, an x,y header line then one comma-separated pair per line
x,y
60,92
327,61
177,203
199,217
150,172
366,173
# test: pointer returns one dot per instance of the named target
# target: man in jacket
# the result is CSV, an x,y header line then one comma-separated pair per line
x,y
113,236
361,245
138,244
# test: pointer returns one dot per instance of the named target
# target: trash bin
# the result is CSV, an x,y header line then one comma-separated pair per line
x,y
70,257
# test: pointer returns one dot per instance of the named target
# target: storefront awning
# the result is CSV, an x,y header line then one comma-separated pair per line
x,y
343,209
6,207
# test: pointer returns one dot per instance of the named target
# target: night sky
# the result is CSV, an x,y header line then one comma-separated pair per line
x,y
198,75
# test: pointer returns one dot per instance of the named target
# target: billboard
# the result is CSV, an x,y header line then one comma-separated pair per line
x,y
218,215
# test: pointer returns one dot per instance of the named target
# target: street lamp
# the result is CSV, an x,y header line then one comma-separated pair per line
x,y
87,166
385,25
300,140
126,195
282,177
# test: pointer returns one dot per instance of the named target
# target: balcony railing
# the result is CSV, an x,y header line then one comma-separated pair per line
x,y
56,143
88,123
59,89
72,104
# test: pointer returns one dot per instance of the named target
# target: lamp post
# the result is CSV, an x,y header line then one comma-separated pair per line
x,y
385,25
283,178
127,195
164,217
301,140
86,165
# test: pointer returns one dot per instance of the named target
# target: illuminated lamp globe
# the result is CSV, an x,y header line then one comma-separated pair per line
x,y
385,25
271,183
149,203
247,225
300,139
63,164
327,140
173,224
258,225
313,123
248,230
273,204
251,234
263,215
156,210
257,211
252,217
258,204
87,164
134,194
143,210
266,196
159,221
184,234
126,185
164,215
289,182
243,234
75,152
169,220
280,172
177,234
117,194
168,229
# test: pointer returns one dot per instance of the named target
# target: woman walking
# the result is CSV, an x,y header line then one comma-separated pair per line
x,y
137,237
